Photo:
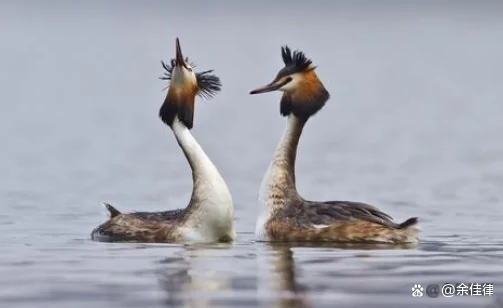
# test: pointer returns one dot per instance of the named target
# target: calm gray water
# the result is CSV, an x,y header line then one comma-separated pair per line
x,y
414,126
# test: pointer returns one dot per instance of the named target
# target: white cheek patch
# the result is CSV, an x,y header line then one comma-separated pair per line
x,y
189,74
193,77
292,84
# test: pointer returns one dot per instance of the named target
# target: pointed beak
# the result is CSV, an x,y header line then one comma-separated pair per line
x,y
273,86
179,61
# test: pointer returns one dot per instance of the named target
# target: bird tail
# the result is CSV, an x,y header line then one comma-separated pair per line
x,y
113,211
408,223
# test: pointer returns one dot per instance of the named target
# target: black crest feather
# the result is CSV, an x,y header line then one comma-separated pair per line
x,y
208,84
295,62
298,59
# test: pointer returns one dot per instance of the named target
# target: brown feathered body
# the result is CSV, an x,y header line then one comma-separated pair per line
x,y
153,227
146,227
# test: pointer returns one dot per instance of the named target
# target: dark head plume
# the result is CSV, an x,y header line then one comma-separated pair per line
x,y
294,63
184,84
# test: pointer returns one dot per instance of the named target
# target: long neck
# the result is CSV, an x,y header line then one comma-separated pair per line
x,y
208,183
279,182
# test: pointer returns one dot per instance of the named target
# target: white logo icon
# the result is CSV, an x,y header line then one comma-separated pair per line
x,y
417,290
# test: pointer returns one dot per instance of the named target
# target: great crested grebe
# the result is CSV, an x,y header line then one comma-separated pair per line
x,y
285,215
209,214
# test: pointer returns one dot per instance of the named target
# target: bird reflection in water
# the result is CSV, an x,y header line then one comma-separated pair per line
x,y
277,281
192,279
278,284
205,275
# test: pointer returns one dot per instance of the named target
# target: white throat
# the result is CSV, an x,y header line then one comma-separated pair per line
x,y
274,177
277,167
212,208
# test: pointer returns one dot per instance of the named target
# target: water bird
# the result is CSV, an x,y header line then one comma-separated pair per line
x,y
284,214
209,214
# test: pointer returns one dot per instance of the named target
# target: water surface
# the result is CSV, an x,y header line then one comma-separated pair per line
x,y
413,126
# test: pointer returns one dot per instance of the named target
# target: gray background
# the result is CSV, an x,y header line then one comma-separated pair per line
x,y
413,126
